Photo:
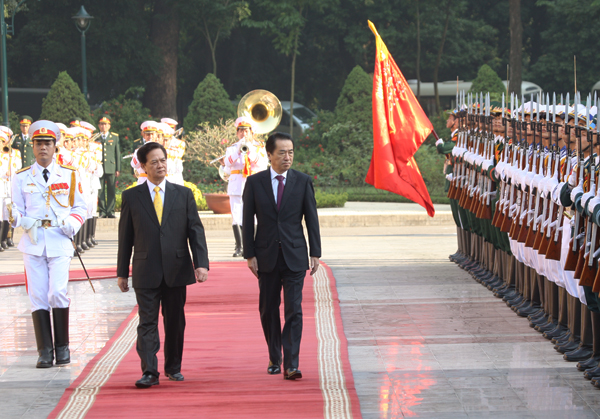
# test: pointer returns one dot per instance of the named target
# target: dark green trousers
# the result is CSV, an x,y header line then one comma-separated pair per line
x,y
106,199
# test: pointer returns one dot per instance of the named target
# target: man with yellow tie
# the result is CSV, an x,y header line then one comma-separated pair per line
x,y
160,224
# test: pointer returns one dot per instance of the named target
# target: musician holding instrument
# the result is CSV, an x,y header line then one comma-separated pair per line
x,y
10,163
111,164
242,159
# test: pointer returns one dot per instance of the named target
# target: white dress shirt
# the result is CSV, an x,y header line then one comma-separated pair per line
x,y
162,186
275,182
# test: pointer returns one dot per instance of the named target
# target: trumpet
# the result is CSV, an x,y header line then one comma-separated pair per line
x,y
244,148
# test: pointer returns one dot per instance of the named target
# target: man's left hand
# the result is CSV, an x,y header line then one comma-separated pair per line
x,y
117,173
314,265
201,274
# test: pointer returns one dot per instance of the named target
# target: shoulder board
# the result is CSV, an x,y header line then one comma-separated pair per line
x,y
23,169
67,167
114,133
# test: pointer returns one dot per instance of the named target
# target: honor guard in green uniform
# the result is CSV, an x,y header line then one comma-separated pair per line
x,y
23,143
111,161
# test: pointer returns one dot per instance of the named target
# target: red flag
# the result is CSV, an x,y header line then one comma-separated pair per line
x,y
399,128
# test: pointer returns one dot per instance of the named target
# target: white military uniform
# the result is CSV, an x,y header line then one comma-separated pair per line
x,y
235,162
10,163
175,151
46,210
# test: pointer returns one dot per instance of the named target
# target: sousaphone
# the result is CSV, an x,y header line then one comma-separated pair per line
x,y
264,109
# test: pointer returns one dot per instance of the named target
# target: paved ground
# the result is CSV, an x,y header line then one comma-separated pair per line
x,y
425,340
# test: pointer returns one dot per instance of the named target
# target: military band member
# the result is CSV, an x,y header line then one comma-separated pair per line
x,y
175,152
10,163
48,204
111,164
242,159
149,134
23,143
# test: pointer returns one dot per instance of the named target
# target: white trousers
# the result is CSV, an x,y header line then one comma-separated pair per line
x,y
46,280
237,209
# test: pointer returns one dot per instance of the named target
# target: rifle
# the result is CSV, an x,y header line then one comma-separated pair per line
x,y
507,222
573,263
530,239
553,250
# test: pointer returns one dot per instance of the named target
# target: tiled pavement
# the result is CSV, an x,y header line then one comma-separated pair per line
x,y
425,340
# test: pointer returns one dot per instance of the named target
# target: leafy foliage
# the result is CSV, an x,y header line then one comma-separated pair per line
x,y
488,81
127,114
64,101
330,200
210,105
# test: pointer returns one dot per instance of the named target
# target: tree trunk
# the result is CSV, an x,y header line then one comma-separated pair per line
x,y
516,46
161,92
418,54
293,82
439,59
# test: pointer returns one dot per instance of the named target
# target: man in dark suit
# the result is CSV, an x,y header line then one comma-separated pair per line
x,y
279,198
111,164
162,268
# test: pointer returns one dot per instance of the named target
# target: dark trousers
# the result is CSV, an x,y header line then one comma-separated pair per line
x,y
106,199
148,342
270,284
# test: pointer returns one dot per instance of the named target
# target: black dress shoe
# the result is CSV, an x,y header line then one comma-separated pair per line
x,y
111,216
273,368
147,380
588,364
292,374
582,353
102,216
175,377
592,373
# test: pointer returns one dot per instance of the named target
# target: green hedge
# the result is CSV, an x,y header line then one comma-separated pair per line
x,y
330,200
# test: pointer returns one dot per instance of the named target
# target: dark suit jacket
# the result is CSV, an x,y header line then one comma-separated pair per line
x,y
285,226
160,250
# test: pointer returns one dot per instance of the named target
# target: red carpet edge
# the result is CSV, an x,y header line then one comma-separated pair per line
x,y
324,340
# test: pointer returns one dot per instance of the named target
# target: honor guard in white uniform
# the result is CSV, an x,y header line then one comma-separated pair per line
x,y
175,152
149,133
95,171
10,163
48,203
242,159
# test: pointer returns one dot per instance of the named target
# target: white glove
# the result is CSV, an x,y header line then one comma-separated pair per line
x,y
575,191
556,193
438,142
573,178
69,226
449,177
30,226
586,197
593,203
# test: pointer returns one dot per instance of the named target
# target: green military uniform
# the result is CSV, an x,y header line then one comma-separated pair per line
x,y
111,162
24,145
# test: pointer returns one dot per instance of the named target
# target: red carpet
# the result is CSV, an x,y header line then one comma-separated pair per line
x,y
15,279
225,360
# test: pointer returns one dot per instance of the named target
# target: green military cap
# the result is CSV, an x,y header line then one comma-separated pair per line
x,y
104,119
26,120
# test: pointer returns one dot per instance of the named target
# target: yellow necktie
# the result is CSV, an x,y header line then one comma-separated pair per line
x,y
158,206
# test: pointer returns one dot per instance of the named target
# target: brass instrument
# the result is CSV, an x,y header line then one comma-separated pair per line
x,y
264,109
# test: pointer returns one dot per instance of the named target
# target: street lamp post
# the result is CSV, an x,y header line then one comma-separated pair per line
x,y
82,22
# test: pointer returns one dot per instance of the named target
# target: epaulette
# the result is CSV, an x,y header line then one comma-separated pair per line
x,y
67,167
23,169
114,133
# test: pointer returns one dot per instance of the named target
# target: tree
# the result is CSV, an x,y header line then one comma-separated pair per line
x,y
161,93
211,103
64,101
285,20
439,58
516,46
488,81
354,103
216,19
